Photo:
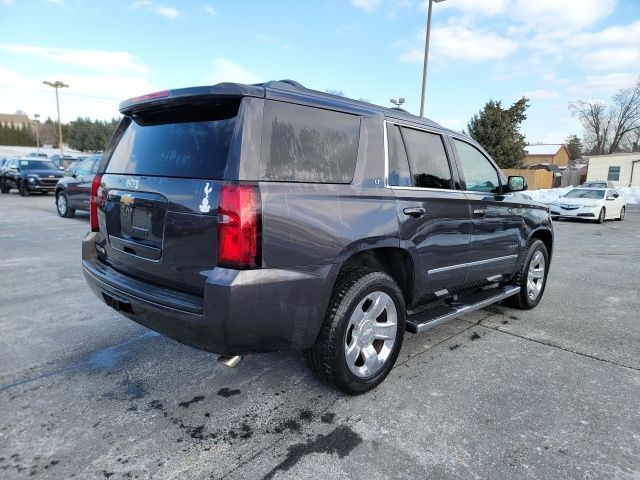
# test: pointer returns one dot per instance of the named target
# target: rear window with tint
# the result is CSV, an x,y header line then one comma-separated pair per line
x,y
188,141
304,144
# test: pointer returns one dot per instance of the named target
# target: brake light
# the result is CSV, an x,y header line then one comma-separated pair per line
x,y
95,199
150,96
239,226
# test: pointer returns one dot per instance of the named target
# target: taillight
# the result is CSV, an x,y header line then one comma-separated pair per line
x,y
96,197
239,225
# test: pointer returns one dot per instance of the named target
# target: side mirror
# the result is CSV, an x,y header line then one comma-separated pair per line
x,y
516,184
616,195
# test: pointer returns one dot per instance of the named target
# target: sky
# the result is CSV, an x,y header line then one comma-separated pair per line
x,y
550,51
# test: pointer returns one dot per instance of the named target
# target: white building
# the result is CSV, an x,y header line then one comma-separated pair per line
x,y
623,169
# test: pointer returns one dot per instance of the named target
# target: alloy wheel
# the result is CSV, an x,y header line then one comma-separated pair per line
x,y
371,334
535,277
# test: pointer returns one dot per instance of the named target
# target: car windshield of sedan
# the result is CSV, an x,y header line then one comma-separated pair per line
x,y
583,193
37,165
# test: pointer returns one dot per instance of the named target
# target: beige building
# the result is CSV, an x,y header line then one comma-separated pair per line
x,y
623,169
556,154
18,120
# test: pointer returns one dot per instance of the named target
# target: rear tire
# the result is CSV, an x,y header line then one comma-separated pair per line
x,y
622,212
531,277
4,188
62,206
358,343
601,216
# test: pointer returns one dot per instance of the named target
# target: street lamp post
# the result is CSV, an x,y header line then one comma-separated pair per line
x,y
37,116
58,84
426,54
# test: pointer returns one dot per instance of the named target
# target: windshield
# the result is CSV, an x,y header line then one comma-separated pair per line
x,y
583,193
37,165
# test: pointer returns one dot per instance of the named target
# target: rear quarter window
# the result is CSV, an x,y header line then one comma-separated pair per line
x,y
305,144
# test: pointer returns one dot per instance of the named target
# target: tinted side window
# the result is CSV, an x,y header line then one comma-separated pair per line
x,y
399,174
304,144
479,174
427,159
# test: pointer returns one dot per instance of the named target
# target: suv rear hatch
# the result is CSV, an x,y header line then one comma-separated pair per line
x,y
161,180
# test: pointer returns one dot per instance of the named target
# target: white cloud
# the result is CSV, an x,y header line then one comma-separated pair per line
x,y
227,71
368,5
453,124
102,60
457,42
209,9
567,15
487,8
95,96
602,85
266,38
6,2
540,94
611,59
157,8
56,2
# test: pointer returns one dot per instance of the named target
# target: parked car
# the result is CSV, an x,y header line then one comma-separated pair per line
x,y
597,204
74,189
598,184
250,218
63,162
29,175
37,155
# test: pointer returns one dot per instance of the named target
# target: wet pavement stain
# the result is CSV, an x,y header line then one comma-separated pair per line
x,y
340,441
228,392
104,359
453,347
475,336
328,417
196,399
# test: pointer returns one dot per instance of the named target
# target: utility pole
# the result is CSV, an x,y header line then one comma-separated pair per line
x,y
58,84
37,116
426,54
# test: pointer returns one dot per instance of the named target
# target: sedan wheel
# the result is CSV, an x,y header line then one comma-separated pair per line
x,y
601,216
62,205
621,217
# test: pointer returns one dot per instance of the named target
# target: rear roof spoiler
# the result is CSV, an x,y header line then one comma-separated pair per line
x,y
221,90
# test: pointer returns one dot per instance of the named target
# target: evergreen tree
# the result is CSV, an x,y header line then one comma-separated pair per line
x,y
498,130
574,145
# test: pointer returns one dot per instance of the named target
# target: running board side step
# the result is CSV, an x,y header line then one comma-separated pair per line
x,y
432,317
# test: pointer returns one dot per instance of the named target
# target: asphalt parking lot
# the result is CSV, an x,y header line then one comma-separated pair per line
x,y
549,393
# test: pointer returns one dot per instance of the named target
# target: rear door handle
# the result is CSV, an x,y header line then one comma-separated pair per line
x,y
415,212
479,212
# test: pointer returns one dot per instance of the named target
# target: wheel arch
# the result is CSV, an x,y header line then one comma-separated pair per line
x,y
546,236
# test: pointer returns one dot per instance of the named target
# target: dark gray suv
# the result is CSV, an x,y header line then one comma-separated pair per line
x,y
251,218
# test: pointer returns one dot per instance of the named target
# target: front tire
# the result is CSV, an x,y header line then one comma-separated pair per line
x,y
362,332
601,216
622,212
22,189
531,277
62,206
4,188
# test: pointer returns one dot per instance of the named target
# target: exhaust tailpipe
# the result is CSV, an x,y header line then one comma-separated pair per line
x,y
230,361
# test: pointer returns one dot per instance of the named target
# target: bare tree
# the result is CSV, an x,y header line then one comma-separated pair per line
x,y
608,128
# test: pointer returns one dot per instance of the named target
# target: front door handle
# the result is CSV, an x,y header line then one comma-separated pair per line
x,y
479,212
415,212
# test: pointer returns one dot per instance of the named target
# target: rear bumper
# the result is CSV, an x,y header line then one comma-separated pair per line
x,y
248,311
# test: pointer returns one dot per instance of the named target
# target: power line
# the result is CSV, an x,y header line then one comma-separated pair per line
x,y
65,93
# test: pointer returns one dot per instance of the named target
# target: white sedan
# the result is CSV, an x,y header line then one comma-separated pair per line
x,y
597,204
